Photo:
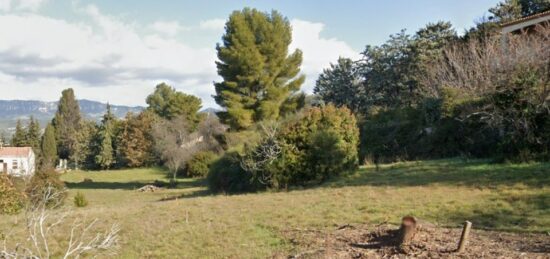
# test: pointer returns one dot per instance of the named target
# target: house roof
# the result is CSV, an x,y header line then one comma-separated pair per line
x,y
526,18
15,151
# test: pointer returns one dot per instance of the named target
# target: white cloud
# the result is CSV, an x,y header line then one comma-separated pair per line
x,y
213,24
318,52
170,28
24,5
108,59
5,5
31,5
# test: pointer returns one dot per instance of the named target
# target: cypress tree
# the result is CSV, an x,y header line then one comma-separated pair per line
x,y
258,73
49,146
19,138
104,157
67,123
33,135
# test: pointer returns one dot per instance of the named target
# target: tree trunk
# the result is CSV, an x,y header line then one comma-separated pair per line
x,y
407,230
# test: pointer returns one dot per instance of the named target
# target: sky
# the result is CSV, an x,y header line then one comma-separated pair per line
x,y
117,51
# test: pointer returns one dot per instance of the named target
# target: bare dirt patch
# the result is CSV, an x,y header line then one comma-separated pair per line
x,y
430,241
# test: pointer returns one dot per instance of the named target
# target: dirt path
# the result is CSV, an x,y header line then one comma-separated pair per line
x,y
369,241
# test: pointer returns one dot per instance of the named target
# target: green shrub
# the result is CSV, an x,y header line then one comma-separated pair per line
x,y
11,200
316,144
199,164
40,182
307,148
79,200
226,175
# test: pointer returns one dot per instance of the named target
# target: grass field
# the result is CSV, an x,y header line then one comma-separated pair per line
x,y
189,222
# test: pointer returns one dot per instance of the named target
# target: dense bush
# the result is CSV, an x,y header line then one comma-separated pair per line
x,y
11,200
307,148
79,200
41,182
227,175
432,131
316,144
199,164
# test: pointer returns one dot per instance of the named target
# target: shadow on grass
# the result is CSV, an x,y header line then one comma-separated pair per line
x,y
182,184
510,212
476,173
188,195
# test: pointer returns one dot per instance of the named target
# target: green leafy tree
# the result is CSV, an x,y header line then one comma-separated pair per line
x,y
387,72
258,72
341,84
135,146
19,138
49,146
67,124
168,103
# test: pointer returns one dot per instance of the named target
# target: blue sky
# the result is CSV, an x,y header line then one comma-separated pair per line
x,y
117,51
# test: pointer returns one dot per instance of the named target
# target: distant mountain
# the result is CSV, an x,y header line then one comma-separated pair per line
x,y
12,110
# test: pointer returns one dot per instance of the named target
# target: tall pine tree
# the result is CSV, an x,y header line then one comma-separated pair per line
x,y
104,158
258,73
33,135
19,138
49,146
67,124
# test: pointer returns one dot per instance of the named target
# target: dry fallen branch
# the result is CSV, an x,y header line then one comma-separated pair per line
x,y
44,218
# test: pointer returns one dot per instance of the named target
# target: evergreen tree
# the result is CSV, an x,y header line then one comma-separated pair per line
x,y
49,146
104,158
514,9
258,72
168,103
34,135
19,138
67,123
3,138
85,145
341,85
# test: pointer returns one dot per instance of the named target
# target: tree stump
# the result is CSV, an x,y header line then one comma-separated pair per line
x,y
407,230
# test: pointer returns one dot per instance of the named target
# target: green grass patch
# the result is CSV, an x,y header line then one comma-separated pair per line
x,y
189,222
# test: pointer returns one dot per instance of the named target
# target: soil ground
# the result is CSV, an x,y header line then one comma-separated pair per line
x,y
379,241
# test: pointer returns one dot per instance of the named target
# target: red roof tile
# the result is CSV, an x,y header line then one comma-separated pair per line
x,y
15,151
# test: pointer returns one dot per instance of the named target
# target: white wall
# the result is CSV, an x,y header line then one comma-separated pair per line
x,y
25,165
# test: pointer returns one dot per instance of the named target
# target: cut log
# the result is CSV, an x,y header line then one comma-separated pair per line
x,y
407,230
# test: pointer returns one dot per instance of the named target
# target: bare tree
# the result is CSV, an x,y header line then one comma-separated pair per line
x,y
494,69
176,144
264,154
44,221
211,129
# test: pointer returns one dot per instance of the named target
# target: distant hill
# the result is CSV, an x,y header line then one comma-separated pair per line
x,y
12,110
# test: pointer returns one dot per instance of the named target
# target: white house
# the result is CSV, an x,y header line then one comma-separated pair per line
x,y
17,161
